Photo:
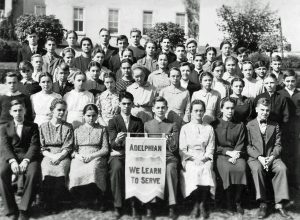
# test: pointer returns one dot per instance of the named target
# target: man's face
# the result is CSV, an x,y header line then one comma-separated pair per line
x,y
12,84
122,44
37,62
62,75
125,106
86,46
50,46
160,109
226,49
198,62
180,53
104,37
270,84
165,44
17,112
276,66
262,111
32,39
135,38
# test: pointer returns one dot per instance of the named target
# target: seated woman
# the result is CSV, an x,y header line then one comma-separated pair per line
x,y
230,148
143,94
196,148
56,145
88,171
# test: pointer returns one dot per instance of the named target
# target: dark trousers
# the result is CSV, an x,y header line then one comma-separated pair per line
x,y
278,174
7,192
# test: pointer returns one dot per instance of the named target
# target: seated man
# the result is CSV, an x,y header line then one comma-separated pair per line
x,y
19,152
118,127
264,150
160,124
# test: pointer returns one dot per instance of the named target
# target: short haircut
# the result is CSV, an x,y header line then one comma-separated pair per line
x,y
200,55
288,73
237,79
35,56
263,101
50,38
276,58
215,64
90,107
122,37
79,73
135,30
72,32
206,74
125,95
151,42
86,39
25,64
17,102
104,29
45,74
247,62
271,75
210,49
241,50
30,31
68,50
186,64
164,54
12,74
230,58
127,61
140,67
180,46
92,64
260,63
109,75
164,37
160,99
175,69
227,99
191,41
225,42
97,50
197,102
64,67
57,101
126,49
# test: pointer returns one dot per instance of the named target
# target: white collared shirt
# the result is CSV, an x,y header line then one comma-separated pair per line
x,y
18,127
126,119
33,49
13,93
262,127
291,92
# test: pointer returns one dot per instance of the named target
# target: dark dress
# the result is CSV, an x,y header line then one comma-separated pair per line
x,y
244,110
230,136
29,88
82,63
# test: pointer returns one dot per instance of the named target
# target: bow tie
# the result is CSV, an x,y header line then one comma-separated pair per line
x,y
263,121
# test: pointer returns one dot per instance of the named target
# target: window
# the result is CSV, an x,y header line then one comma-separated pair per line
x,y
147,21
78,19
180,19
39,10
113,20
2,4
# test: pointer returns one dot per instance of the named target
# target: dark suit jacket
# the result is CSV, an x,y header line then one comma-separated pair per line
x,y
117,125
51,66
110,52
114,62
25,53
256,146
62,91
193,87
13,147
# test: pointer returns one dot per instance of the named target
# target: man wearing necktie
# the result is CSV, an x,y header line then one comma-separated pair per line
x,y
104,36
19,147
264,150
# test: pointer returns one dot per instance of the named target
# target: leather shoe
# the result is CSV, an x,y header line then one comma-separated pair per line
x,y
117,213
172,214
239,209
23,215
284,213
203,212
262,212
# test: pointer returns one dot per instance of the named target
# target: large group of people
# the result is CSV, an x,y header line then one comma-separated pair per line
x,y
64,120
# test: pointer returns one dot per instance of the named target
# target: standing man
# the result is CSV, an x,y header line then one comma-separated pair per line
x,y
135,46
226,50
115,60
165,45
20,149
105,46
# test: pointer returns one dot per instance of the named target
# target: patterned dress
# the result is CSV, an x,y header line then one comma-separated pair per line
x,y
89,140
55,139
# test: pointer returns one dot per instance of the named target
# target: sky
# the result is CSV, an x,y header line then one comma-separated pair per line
x,y
287,10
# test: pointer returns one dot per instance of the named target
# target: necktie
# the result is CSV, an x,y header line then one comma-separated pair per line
x,y
263,121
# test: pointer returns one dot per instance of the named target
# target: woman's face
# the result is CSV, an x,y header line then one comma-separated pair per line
x,y
210,55
175,77
191,48
139,76
150,49
197,112
206,82
94,72
46,84
71,39
247,70
69,58
162,61
127,55
228,110
79,82
185,72
218,72
230,66
99,57
86,46
126,69
90,117
59,111
109,83
237,87
261,71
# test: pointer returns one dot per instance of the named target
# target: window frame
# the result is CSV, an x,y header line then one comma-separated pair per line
x,y
178,14
38,8
113,21
77,9
145,24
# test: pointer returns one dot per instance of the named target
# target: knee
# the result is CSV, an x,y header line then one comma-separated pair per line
x,y
171,169
281,169
258,169
4,172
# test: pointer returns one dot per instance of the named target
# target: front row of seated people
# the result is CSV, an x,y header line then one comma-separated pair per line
x,y
89,155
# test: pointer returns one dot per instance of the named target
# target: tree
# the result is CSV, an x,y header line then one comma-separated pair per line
x,y
172,30
247,23
44,26
192,8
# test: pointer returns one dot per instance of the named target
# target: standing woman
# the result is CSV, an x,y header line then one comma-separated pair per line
x,y
230,148
85,58
211,54
143,94
243,111
88,171
178,99
42,100
196,148
68,55
77,99
219,84
72,38
56,145
150,60
230,69
210,97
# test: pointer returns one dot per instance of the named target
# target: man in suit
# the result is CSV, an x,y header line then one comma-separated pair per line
x,y
180,56
185,81
19,152
62,86
165,45
27,50
264,150
118,127
136,47
161,125
226,50
105,46
115,60
51,60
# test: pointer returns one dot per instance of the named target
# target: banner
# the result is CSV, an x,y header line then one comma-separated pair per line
x,y
145,168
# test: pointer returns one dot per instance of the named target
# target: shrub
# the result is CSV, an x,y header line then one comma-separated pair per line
x,y
291,61
254,57
9,51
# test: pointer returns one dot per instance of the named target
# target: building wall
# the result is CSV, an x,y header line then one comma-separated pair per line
x,y
29,5
130,13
